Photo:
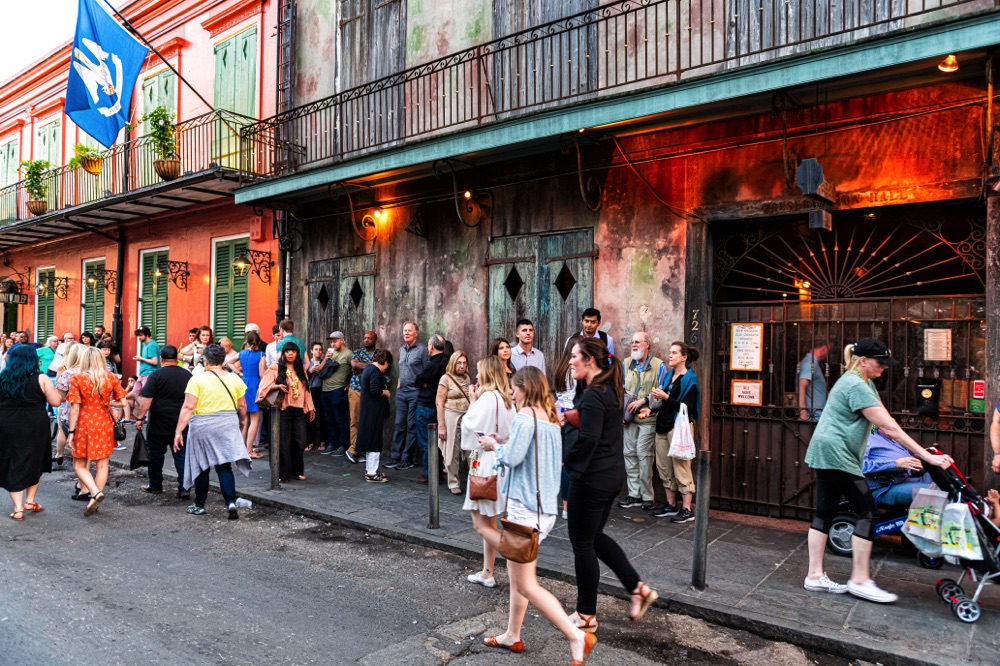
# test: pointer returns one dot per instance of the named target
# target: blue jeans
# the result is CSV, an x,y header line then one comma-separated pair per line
x,y
901,494
338,418
425,416
227,483
404,439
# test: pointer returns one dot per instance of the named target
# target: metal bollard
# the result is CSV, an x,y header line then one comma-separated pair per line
x,y
704,490
273,448
433,476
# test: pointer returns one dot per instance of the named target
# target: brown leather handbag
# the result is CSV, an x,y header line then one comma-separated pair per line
x,y
484,487
519,543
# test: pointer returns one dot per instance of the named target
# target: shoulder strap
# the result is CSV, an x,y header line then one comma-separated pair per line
x,y
459,386
538,487
107,406
228,392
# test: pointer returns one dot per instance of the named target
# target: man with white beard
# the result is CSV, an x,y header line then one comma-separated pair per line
x,y
643,373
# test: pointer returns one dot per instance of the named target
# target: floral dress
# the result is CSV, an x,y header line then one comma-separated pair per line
x,y
94,438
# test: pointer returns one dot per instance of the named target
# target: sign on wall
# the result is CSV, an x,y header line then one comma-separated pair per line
x,y
746,347
747,392
937,344
18,299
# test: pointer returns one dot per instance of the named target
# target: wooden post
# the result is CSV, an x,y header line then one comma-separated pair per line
x,y
992,326
698,332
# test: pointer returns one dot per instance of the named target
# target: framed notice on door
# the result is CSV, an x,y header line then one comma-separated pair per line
x,y
747,392
746,347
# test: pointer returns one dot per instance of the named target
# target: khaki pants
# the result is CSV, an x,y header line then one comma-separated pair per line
x,y
639,441
354,406
674,473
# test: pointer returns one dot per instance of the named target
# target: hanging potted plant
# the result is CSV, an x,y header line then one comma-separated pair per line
x,y
163,139
35,185
88,158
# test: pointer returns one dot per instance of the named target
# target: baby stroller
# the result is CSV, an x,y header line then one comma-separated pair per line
x,y
982,572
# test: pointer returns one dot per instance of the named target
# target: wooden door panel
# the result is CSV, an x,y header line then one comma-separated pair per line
x,y
356,297
514,284
323,302
567,280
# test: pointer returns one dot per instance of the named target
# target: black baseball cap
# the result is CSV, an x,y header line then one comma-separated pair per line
x,y
872,348
144,330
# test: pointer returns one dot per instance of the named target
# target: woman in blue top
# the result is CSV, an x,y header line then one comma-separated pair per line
x,y
532,491
250,358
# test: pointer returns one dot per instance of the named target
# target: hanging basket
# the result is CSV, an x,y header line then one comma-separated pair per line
x,y
37,206
167,169
92,165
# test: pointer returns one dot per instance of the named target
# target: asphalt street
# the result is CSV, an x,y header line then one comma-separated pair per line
x,y
142,582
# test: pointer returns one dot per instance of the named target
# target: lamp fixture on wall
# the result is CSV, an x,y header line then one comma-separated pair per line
x,y
57,286
109,278
23,279
949,64
254,261
177,272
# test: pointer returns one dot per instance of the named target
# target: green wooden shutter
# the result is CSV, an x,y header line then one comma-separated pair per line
x,y
153,293
8,176
48,149
45,306
231,297
93,295
158,90
245,100
225,92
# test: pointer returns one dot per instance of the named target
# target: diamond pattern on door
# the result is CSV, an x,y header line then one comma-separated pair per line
x,y
513,283
565,282
356,293
324,298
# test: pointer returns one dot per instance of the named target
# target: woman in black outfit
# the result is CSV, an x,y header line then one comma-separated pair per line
x,y
374,411
596,466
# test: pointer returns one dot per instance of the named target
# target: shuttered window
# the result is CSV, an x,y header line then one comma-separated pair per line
x,y
8,176
45,305
47,148
157,90
93,295
235,90
230,297
153,293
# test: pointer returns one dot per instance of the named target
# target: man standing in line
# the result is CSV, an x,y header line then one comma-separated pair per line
x,y
413,359
812,382
61,349
643,373
271,351
360,359
334,395
148,356
162,398
287,328
427,385
523,353
46,355
590,321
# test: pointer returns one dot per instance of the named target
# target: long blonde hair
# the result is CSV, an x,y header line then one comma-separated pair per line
x,y
93,365
71,357
536,389
850,360
492,376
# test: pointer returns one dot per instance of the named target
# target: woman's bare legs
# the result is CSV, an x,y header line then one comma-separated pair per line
x,y
250,430
81,466
487,528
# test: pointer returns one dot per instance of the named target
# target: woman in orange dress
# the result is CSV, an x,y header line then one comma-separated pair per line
x,y
91,422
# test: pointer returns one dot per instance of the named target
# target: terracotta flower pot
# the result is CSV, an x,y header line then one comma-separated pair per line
x,y
92,165
167,169
37,206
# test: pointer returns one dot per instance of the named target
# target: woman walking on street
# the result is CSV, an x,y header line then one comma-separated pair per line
x,y
492,412
91,395
596,468
296,409
25,453
836,452
454,397
216,410
249,360
532,459
374,411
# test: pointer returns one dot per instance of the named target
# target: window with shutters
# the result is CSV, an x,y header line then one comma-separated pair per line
x,y
153,282
45,305
8,176
230,294
235,90
157,90
48,148
93,294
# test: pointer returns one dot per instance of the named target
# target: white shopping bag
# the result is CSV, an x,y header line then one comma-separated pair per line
x,y
924,519
682,442
958,533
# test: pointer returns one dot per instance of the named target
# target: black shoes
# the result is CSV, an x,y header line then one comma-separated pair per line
x,y
630,502
683,516
151,490
665,511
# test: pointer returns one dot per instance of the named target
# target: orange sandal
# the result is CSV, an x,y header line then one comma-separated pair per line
x,y
33,507
514,647
13,516
647,596
589,641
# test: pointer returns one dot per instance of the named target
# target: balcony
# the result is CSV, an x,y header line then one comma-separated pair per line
x,y
127,186
610,50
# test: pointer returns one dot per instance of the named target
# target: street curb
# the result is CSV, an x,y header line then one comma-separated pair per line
x,y
678,602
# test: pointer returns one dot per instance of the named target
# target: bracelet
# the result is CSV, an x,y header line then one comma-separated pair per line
x,y
70,432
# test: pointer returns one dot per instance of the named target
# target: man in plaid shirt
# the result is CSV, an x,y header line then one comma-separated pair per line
x,y
359,361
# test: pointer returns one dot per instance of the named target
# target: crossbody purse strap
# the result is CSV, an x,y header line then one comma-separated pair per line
x,y
227,390
459,387
538,489
107,406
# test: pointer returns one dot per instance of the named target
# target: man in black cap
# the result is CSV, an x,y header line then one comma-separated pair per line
x,y
162,398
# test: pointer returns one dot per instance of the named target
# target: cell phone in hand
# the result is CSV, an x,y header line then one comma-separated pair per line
x,y
479,434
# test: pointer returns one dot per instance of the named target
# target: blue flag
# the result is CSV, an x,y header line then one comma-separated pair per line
x,y
104,66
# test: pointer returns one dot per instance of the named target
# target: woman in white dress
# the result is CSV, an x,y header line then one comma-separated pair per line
x,y
491,414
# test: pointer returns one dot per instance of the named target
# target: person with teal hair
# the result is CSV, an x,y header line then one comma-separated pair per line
x,y
25,446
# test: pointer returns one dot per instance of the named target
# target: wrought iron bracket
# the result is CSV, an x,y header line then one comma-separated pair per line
x,y
58,286
23,279
178,273
109,279
416,225
260,264
471,207
591,190
366,228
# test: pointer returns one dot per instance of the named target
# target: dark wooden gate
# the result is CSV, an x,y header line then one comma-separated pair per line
x,y
342,297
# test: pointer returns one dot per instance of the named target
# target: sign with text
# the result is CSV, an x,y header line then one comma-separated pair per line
x,y
937,344
748,392
18,299
979,389
746,347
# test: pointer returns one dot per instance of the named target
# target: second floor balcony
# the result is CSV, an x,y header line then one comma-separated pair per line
x,y
614,49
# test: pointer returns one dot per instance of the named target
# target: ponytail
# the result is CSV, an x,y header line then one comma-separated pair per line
x,y
612,374
850,360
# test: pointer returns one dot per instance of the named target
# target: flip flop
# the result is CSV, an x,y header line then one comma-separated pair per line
x,y
13,516
33,507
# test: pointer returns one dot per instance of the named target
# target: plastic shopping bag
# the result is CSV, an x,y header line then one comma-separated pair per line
x,y
924,519
682,442
958,533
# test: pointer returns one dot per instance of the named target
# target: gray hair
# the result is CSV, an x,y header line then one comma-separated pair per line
x,y
437,342
214,354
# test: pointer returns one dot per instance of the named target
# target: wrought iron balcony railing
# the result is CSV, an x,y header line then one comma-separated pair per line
x,y
207,141
605,51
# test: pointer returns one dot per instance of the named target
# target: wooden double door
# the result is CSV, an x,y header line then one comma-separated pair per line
x,y
341,298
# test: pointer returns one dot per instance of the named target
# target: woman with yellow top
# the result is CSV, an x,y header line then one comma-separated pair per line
x,y
289,377
215,409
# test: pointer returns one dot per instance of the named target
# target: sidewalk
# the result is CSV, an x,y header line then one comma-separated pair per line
x,y
755,568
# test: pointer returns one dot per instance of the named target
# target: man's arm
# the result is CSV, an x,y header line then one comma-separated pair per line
x,y
143,407
803,410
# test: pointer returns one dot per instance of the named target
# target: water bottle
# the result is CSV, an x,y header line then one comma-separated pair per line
x,y
243,503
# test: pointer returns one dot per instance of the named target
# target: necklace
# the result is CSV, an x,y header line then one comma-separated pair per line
x,y
293,383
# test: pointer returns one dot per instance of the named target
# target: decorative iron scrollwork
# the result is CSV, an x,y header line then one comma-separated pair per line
x,y
472,207
105,278
591,190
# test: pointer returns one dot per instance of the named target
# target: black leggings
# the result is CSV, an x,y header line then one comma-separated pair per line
x,y
831,485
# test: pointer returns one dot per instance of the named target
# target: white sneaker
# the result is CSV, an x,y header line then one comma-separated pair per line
x,y
478,578
871,592
824,584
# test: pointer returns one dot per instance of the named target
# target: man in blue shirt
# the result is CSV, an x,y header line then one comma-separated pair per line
x,y
149,352
812,382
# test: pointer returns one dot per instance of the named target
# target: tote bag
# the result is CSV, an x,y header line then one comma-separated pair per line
x,y
682,442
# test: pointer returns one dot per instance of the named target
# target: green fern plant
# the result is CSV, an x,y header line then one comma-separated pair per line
x,y
162,132
34,178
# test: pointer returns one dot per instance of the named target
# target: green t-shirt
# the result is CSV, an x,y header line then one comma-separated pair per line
x,y
342,376
841,435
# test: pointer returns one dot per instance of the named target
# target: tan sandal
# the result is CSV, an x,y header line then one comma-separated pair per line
x,y
583,622
647,596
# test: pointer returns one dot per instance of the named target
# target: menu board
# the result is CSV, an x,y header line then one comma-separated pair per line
x,y
746,347
747,392
937,344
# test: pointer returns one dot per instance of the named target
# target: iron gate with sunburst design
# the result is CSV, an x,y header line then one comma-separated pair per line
x,y
891,278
